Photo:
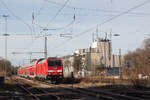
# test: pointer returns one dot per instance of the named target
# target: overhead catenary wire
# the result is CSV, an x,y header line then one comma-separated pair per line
x,y
61,44
61,28
108,20
40,9
65,5
17,17
72,23
56,28
95,9
33,27
40,35
57,13
90,9
114,17
35,15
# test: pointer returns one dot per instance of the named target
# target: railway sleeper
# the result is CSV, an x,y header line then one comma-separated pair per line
x,y
91,94
114,95
55,97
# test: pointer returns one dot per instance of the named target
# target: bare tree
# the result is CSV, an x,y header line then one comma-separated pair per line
x,y
139,62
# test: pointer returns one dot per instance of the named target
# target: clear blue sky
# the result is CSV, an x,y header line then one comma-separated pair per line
x,y
133,27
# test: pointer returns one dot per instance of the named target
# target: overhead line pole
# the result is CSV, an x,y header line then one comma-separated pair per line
x,y
5,34
5,16
120,61
45,48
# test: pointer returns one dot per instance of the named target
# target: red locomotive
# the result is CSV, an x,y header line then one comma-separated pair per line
x,y
48,69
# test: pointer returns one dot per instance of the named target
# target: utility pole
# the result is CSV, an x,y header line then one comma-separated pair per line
x,y
5,16
120,69
92,37
45,48
5,34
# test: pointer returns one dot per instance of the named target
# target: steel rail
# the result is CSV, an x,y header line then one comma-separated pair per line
x,y
36,97
41,90
113,95
98,93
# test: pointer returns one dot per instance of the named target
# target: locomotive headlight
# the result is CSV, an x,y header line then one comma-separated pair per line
x,y
59,70
50,71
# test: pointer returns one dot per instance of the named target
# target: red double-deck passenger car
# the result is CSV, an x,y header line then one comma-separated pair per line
x,y
22,72
49,69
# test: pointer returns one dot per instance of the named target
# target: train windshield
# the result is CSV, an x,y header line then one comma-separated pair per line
x,y
54,63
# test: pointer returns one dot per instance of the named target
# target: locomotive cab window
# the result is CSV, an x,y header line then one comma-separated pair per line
x,y
54,63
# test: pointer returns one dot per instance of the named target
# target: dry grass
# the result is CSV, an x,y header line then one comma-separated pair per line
x,y
83,84
99,81
139,83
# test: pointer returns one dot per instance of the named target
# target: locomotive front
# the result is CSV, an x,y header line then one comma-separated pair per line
x,y
55,69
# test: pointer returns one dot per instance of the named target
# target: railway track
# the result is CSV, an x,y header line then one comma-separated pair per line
x,y
62,93
99,94
31,95
102,95
34,93
112,96
94,94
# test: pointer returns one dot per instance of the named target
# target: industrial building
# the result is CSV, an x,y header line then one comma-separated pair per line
x,y
68,65
95,60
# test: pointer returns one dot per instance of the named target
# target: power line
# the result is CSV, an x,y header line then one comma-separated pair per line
x,y
67,35
53,17
108,20
95,10
128,15
114,17
59,28
41,8
61,44
57,12
13,14
125,12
